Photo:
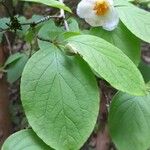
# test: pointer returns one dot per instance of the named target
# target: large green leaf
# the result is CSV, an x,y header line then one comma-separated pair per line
x,y
135,19
52,3
122,38
60,98
109,62
129,122
25,139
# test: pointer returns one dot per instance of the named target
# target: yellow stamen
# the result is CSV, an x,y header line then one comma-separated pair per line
x,y
101,7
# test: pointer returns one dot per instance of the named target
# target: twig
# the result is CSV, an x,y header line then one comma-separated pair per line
x,y
31,49
8,42
4,30
62,13
33,24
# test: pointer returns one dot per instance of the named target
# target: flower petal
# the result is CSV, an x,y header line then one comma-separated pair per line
x,y
94,21
85,8
111,20
111,2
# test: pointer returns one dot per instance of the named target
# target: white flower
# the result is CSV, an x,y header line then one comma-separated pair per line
x,y
99,13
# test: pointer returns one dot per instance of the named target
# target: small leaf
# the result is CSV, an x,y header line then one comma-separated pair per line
x,y
25,29
135,19
35,18
25,139
3,26
53,34
31,33
109,62
73,25
129,121
122,38
13,58
64,93
4,22
14,70
52,3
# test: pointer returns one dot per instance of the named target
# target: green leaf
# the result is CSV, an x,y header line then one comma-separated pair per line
x,y
13,58
14,70
73,29
109,62
69,34
25,139
31,34
35,18
4,22
129,121
143,1
145,70
52,3
135,19
3,26
122,38
73,25
148,86
54,34
26,33
65,97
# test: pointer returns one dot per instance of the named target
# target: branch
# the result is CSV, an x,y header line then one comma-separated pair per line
x,y
62,14
4,30
33,24
8,42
